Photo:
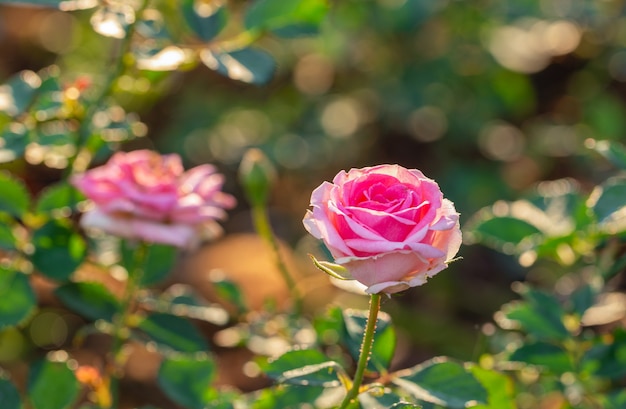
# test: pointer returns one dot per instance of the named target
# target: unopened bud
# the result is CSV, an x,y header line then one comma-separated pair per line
x,y
256,175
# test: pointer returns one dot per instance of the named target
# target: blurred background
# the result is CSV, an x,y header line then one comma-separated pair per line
x,y
486,97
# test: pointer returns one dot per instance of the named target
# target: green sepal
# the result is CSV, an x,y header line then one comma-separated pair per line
x,y
334,270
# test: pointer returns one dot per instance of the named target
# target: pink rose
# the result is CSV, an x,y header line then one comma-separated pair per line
x,y
147,196
390,227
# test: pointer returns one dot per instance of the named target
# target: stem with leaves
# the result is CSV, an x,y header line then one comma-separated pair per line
x,y
366,347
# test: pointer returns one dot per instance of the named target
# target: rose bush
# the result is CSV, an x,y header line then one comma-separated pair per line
x,y
146,196
390,227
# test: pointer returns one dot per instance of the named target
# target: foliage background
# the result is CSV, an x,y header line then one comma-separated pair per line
x,y
486,97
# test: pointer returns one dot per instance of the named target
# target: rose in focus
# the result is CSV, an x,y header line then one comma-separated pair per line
x,y
390,227
147,196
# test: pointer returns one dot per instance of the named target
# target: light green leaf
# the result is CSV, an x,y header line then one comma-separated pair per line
x,y
500,389
277,14
58,198
17,298
14,199
52,385
613,151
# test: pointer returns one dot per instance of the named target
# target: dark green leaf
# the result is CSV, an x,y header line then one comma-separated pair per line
x,y
249,65
91,300
607,357
160,259
384,338
9,396
500,389
608,202
173,332
17,298
187,379
58,198
228,291
58,249
206,19
7,238
379,400
504,233
613,151
13,142
615,400
548,356
444,383
18,92
583,299
55,133
14,199
306,367
52,385
277,14
50,99
541,316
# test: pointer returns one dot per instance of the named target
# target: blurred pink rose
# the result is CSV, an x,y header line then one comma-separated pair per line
x,y
390,227
147,196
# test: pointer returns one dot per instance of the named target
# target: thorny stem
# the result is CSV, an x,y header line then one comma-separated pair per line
x,y
120,321
264,229
366,347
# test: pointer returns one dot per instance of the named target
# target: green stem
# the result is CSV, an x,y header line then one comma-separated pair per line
x,y
120,321
264,229
366,347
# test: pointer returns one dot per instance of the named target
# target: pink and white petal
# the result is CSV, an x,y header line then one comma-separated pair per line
x,y
394,266
317,224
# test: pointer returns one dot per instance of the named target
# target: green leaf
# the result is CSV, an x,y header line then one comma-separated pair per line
x,y
249,65
608,203
384,338
112,19
278,14
91,300
443,382
548,356
52,385
9,396
500,389
613,151
506,234
13,142
185,379
17,298
228,291
607,358
14,199
18,92
286,397
206,19
306,367
614,400
583,299
377,400
160,260
7,238
173,332
58,198
58,249
541,316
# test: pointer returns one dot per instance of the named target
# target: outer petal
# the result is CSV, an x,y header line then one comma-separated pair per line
x,y
394,266
178,235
